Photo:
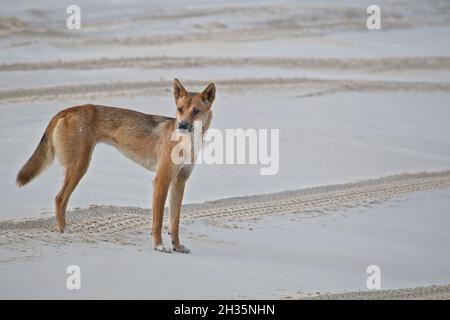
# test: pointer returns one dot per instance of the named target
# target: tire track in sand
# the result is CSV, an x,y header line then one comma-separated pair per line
x,y
164,62
419,293
110,223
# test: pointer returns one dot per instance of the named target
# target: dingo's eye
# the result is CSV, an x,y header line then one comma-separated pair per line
x,y
180,110
195,111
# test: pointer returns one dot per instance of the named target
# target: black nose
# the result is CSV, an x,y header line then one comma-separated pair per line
x,y
183,125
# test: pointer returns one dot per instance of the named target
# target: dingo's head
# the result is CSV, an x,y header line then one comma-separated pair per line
x,y
192,106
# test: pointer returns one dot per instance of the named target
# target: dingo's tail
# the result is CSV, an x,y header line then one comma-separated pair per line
x,y
40,160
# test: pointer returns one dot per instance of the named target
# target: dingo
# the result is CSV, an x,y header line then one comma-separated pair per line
x,y
73,133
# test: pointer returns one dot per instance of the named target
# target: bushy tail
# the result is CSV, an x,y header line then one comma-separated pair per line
x,y
39,161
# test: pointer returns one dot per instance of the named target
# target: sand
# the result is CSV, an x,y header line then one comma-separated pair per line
x,y
364,149
323,248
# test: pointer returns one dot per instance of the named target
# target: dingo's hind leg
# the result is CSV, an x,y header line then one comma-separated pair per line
x,y
73,176
74,150
175,200
161,185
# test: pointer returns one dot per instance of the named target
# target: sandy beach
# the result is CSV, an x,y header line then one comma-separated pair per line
x,y
364,149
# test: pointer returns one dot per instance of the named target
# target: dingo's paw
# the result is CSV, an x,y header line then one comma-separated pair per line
x,y
181,249
163,248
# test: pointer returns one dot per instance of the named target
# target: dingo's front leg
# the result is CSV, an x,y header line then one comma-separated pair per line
x,y
176,197
161,186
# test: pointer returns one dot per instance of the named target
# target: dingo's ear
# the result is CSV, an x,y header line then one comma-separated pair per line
x,y
209,94
178,89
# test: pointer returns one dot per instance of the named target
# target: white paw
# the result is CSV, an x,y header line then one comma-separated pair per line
x,y
181,249
163,248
